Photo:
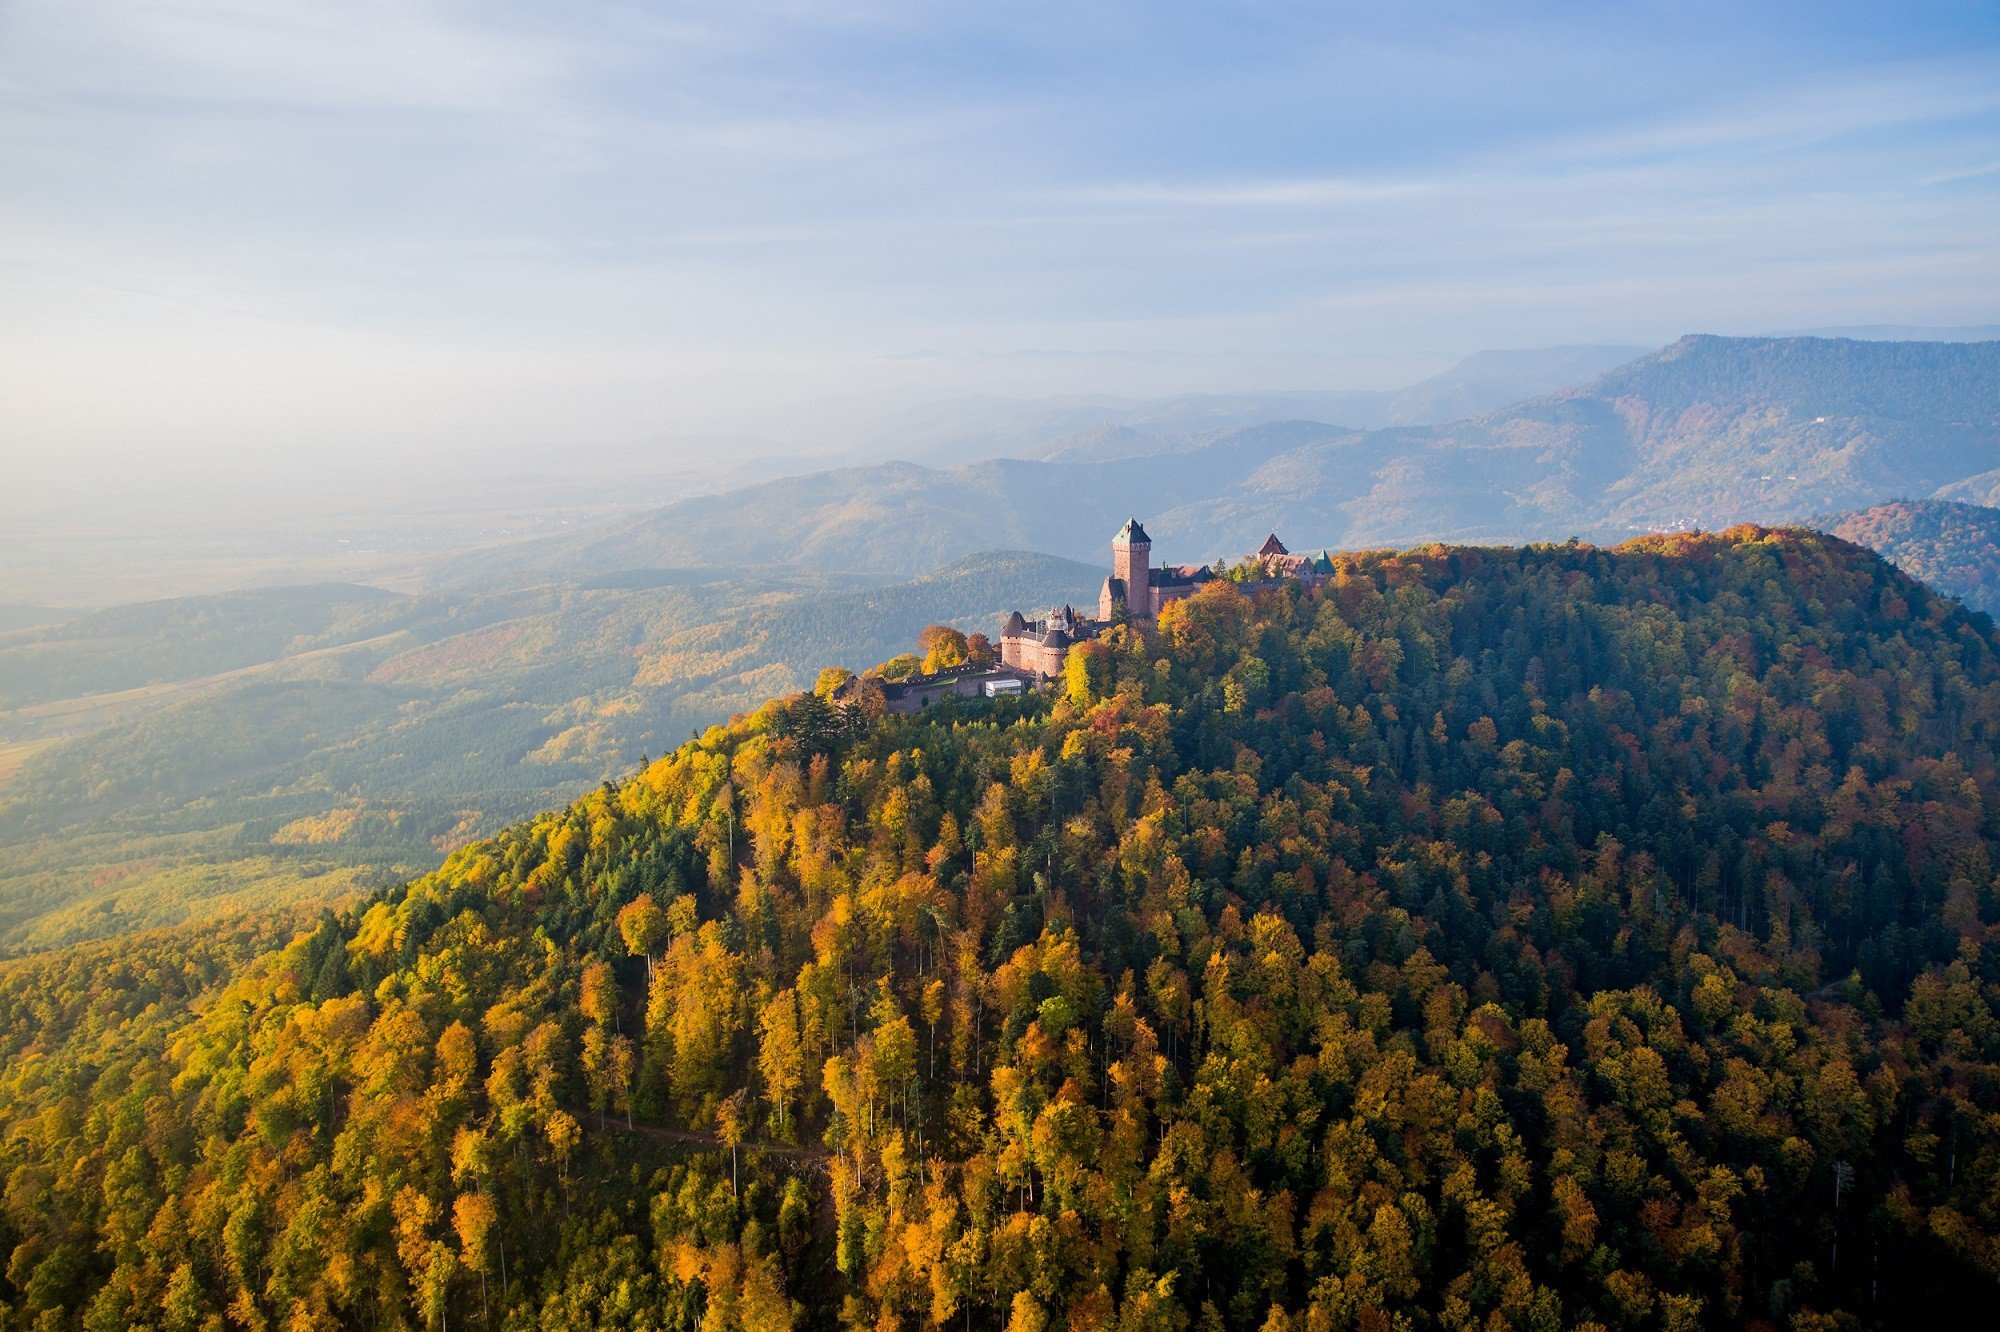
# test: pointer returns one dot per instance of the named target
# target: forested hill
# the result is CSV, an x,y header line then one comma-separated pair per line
x,y
1953,547
1495,938
1950,383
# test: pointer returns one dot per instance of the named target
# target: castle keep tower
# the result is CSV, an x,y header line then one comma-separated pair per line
x,y
1135,588
1132,571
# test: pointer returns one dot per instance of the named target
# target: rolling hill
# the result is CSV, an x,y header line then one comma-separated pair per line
x,y
299,744
162,642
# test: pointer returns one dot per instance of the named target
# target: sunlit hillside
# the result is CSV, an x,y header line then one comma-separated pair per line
x,y
173,760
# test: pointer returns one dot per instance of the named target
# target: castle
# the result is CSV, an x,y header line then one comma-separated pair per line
x,y
1138,592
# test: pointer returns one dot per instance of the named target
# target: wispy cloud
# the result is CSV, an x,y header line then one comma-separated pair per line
x,y
1273,193
1968,173
1814,111
368,55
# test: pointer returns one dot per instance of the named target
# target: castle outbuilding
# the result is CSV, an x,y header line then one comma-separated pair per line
x,y
1277,562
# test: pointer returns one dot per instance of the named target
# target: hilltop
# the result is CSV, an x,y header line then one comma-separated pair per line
x,y
1544,936
1707,432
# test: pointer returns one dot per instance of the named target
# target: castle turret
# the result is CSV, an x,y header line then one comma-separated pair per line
x,y
1132,565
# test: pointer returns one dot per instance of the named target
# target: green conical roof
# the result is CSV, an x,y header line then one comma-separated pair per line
x,y
1132,534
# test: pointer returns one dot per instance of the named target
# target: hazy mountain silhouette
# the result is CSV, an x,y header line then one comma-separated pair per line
x,y
1706,432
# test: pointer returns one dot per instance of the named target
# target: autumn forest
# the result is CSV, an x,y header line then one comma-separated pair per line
x,y
1492,938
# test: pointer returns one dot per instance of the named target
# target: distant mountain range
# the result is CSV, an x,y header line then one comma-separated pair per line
x,y
1900,332
1097,428
1707,432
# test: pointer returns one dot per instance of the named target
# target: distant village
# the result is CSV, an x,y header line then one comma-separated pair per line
x,y
1032,652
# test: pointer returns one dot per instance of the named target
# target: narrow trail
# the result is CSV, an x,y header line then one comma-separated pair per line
x,y
794,1151
816,1157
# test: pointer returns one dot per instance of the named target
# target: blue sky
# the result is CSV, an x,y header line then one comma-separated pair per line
x,y
257,229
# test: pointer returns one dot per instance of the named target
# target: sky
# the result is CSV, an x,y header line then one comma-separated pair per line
x,y
257,236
